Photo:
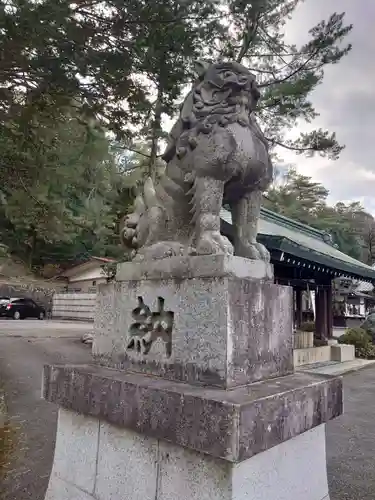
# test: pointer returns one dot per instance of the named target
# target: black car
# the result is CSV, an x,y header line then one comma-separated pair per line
x,y
20,308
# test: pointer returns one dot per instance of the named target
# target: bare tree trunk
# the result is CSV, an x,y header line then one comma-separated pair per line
x,y
30,257
249,34
155,133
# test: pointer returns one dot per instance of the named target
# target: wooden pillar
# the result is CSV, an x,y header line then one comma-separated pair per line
x,y
320,312
323,310
329,304
299,317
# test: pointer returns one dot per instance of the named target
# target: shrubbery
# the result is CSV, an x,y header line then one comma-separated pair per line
x,y
307,326
361,340
367,352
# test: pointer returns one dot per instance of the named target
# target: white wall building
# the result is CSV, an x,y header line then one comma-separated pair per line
x,y
85,277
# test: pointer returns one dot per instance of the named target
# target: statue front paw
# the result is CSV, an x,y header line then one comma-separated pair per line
x,y
128,233
135,226
213,242
254,251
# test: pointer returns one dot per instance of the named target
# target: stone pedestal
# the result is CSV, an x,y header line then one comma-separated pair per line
x,y
95,460
193,394
228,328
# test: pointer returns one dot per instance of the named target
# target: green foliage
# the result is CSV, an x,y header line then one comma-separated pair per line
x,y
362,341
319,342
287,73
114,57
297,197
357,337
308,326
300,198
72,72
63,192
127,63
367,352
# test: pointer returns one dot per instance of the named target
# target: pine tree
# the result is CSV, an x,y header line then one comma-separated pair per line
x,y
287,74
127,63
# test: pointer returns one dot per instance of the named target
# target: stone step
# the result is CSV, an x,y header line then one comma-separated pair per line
x,y
336,368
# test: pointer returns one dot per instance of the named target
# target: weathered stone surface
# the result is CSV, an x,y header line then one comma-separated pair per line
x,y
202,266
135,467
342,352
127,465
259,332
281,473
59,489
76,450
188,475
233,425
225,331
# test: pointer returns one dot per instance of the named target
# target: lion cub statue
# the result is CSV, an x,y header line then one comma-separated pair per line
x,y
216,155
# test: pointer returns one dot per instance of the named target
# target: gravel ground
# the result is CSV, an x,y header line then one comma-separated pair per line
x,y
25,346
351,441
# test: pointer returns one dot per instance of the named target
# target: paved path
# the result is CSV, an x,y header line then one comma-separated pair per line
x,y
33,328
351,441
26,345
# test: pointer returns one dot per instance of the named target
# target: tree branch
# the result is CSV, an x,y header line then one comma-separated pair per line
x,y
136,151
269,45
42,206
297,70
145,21
291,148
248,37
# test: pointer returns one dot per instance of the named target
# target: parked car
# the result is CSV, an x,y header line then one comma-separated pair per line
x,y
20,308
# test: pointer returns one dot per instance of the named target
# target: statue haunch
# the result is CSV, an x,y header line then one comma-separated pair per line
x,y
216,154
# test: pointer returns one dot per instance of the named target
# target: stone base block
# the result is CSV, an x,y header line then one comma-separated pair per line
x,y
342,352
119,464
311,355
303,340
215,320
202,266
339,352
232,425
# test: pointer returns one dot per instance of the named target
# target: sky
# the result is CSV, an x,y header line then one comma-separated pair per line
x,y
345,101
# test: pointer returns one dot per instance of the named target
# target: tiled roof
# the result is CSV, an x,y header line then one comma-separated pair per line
x,y
279,232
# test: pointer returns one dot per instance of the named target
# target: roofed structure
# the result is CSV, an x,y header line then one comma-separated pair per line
x,y
304,247
306,259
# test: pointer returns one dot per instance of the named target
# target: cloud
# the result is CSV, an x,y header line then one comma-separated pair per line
x,y
345,101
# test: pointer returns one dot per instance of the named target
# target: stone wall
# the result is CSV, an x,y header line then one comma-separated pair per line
x,y
74,306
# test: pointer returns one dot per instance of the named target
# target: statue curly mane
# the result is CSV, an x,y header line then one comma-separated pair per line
x,y
225,93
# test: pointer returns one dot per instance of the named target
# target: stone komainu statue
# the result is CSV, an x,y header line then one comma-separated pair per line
x,y
216,155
